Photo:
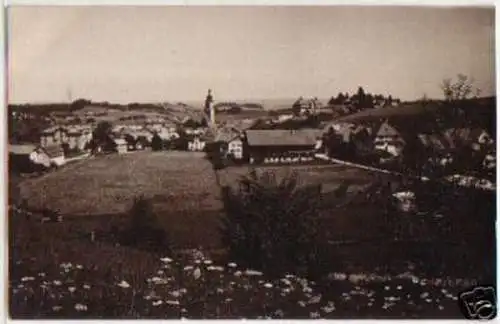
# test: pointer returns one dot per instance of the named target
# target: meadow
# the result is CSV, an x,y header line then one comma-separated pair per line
x,y
56,270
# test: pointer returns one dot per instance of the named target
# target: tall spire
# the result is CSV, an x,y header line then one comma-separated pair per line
x,y
209,108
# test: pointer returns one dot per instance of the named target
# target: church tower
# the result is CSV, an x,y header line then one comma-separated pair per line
x,y
209,108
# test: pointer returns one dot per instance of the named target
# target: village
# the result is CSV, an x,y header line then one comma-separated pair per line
x,y
309,132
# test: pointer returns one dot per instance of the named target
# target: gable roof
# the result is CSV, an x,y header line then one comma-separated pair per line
x,y
53,151
387,130
282,137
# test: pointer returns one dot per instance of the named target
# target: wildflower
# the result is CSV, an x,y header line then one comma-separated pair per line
x,y
79,266
314,315
57,283
329,307
71,289
423,282
441,307
158,280
307,290
41,274
24,279
232,265
415,280
399,287
268,285
428,300
286,281
455,298
314,300
289,276
123,284
56,308
214,268
197,261
207,262
228,300
160,272
85,286
166,260
279,313
175,293
184,310
157,303
187,268
370,304
387,288
301,303
238,273
253,273
197,273
80,307
173,302
424,295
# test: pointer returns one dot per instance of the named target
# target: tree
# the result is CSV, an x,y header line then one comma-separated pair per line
x,y
332,101
270,224
461,89
156,142
101,136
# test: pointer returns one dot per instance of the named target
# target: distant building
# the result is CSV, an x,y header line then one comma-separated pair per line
x,y
196,143
121,145
276,145
389,139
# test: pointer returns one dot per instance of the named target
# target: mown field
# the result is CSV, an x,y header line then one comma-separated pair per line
x,y
376,276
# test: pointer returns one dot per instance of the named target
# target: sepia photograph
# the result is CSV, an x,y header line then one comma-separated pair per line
x,y
251,162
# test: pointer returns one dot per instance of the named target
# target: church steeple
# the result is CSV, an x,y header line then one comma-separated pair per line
x,y
209,108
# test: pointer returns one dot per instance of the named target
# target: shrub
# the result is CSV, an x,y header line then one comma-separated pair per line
x,y
272,225
144,229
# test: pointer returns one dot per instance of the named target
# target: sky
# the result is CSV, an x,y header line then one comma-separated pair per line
x,y
175,53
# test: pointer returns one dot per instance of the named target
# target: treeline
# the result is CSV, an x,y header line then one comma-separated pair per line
x,y
362,99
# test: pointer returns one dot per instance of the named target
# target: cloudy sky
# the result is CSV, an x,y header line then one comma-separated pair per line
x,y
130,54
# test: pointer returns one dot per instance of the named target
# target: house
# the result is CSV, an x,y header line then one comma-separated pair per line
x,y
196,143
389,139
279,145
55,135
54,153
231,143
121,145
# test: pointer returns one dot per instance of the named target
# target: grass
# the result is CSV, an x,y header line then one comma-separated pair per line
x,y
183,189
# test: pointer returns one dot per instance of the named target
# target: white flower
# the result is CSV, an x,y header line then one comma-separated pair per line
x,y
301,303
286,281
253,273
289,276
314,300
441,307
123,284
314,315
307,290
387,288
160,272
238,273
24,279
424,294
157,303
175,293
370,304
197,273
158,281
329,307
428,300
173,302
197,261
85,286
79,266
56,308
220,290
268,285
57,283
71,289
20,286
166,260
214,268
187,268
41,274
81,307
232,265
279,313
207,262
228,300
399,287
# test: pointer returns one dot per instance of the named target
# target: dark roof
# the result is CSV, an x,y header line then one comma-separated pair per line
x,y
282,137
54,151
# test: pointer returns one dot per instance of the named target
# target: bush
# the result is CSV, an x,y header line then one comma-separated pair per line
x,y
272,225
144,229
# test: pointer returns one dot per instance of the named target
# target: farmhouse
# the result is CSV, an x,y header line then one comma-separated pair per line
x,y
121,145
231,143
389,139
279,145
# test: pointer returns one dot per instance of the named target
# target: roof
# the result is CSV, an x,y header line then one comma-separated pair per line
x,y
282,137
21,149
54,151
387,130
120,141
